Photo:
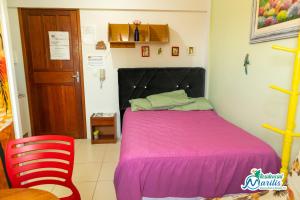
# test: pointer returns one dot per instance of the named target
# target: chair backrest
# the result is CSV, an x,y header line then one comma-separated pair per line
x,y
41,160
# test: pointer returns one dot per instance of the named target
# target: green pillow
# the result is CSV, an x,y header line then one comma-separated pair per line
x,y
144,104
169,99
140,104
198,104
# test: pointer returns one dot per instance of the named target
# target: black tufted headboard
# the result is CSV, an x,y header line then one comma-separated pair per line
x,y
141,82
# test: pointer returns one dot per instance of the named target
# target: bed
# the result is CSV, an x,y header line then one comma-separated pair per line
x,y
181,154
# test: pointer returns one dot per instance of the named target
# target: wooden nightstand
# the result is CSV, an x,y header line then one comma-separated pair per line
x,y
106,125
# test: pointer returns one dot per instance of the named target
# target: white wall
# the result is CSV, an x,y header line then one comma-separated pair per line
x,y
187,28
183,33
246,100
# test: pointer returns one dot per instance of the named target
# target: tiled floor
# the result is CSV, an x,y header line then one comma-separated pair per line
x,y
93,171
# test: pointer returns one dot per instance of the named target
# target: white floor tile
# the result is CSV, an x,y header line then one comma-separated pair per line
x,y
47,187
60,191
85,141
92,163
112,156
89,153
77,143
107,171
114,147
86,172
86,189
105,190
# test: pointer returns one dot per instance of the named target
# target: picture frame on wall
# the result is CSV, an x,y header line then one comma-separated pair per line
x,y
5,102
175,51
145,51
9,111
191,51
274,20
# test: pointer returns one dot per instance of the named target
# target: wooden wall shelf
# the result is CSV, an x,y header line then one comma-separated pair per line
x,y
122,35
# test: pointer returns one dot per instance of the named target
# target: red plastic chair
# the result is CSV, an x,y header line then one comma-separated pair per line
x,y
41,160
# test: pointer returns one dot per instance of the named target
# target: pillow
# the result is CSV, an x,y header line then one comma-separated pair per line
x,y
144,104
169,99
198,104
140,104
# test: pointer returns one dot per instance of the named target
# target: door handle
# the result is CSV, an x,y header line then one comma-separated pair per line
x,y
21,96
77,77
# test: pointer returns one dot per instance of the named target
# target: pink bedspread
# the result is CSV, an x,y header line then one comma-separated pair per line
x,y
186,154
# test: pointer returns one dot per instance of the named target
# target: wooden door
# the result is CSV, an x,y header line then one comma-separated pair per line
x,y
54,86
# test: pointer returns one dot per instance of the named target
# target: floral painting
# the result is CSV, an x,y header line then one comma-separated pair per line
x,y
5,106
277,11
275,19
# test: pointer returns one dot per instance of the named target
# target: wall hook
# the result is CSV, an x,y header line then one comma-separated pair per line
x,y
246,63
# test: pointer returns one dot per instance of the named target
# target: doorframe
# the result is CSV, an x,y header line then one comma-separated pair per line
x,y
26,69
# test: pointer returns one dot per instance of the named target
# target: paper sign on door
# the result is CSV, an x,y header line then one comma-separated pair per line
x,y
59,45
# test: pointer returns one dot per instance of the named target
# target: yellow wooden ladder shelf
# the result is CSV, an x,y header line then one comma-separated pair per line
x,y
294,93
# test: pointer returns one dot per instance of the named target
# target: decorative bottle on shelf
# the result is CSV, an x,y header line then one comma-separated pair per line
x,y
136,34
136,31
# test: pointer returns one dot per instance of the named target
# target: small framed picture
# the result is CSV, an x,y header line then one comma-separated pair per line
x,y
175,51
145,51
191,51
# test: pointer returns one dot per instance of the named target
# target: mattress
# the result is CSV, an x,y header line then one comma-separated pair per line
x,y
186,155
